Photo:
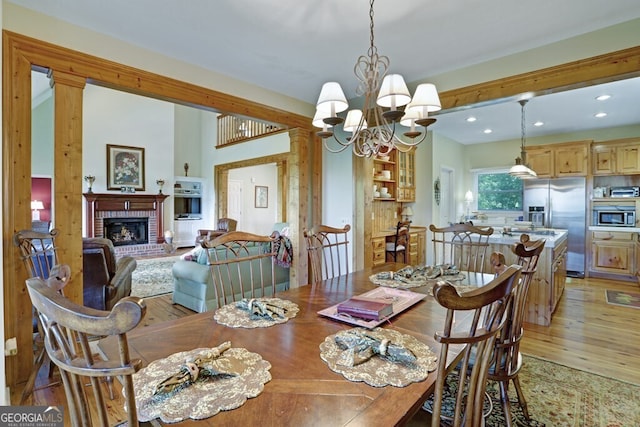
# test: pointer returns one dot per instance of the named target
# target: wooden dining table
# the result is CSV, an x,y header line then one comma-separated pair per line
x,y
303,390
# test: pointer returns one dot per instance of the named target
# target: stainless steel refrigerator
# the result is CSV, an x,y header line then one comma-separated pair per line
x,y
563,203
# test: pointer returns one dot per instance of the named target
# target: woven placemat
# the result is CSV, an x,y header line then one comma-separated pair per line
x,y
378,372
234,317
203,398
400,282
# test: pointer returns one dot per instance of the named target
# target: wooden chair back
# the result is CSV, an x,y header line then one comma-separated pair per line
x,y
507,359
328,249
241,266
473,320
38,251
68,328
462,245
400,244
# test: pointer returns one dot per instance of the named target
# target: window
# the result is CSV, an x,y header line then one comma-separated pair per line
x,y
498,191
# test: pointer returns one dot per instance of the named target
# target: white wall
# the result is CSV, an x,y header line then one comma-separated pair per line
x,y
119,118
257,220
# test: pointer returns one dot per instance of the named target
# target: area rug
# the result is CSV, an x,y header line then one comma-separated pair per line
x,y
625,299
153,277
560,396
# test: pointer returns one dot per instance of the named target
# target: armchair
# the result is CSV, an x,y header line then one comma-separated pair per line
x,y
224,226
105,280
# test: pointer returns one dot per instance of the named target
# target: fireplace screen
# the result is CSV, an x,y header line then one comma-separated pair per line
x,y
127,231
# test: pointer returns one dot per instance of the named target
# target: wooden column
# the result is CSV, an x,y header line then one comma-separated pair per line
x,y
67,148
16,209
298,202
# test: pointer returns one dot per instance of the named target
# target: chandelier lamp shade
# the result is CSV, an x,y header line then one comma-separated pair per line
x,y
521,169
387,102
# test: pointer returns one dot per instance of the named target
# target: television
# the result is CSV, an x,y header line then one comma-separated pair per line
x,y
187,207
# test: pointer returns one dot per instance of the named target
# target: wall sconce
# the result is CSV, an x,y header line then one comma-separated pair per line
x,y
160,183
36,206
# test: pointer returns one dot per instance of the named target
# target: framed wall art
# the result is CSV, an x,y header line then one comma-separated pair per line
x,y
125,167
262,196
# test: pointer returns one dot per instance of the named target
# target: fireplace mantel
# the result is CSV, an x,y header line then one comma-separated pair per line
x,y
96,202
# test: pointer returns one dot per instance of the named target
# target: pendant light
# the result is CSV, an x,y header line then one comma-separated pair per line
x,y
521,169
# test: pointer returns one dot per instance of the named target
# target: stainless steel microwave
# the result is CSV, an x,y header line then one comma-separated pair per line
x,y
614,216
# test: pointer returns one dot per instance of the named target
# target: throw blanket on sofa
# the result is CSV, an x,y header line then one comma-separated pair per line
x,y
283,249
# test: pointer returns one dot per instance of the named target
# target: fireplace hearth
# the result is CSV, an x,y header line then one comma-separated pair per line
x,y
127,231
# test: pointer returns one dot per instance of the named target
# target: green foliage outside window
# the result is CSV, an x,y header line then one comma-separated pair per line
x,y
499,192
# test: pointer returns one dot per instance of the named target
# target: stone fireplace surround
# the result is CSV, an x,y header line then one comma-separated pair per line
x,y
100,206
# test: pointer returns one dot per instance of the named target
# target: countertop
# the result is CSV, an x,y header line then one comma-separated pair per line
x,y
616,229
552,240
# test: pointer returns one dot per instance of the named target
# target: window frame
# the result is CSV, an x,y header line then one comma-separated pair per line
x,y
497,170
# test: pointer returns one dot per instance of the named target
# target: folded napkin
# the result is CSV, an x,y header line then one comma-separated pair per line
x,y
260,309
359,346
205,366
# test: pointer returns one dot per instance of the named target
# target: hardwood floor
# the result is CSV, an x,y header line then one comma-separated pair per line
x,y
586,333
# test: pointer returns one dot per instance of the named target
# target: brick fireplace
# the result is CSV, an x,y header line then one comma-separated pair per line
x,y
124,207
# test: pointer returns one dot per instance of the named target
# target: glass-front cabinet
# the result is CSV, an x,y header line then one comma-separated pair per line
x,y
406,163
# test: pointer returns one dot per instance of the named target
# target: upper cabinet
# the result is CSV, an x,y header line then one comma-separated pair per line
x,y
559,160
384,177
406,173
616,157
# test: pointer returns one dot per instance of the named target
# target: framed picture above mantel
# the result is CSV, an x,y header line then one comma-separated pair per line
x,y
125,167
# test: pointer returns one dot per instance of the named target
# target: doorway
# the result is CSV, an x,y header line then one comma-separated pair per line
x,y
447,201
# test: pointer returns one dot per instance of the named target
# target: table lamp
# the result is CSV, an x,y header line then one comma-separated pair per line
x,y
468,198
36,206
407,213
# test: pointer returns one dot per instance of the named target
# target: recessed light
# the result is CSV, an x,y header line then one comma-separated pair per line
x,y
602,97
471,119
487,131
538,123
599,115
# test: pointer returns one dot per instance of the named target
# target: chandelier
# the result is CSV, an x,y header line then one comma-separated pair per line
x,y
521,169
374,131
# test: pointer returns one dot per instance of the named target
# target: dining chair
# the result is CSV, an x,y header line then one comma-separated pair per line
x,y
463,245
39,254
507,359
241,266
328,250
473,320
400,244
68,328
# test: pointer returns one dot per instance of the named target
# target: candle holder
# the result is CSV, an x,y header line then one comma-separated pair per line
x,y
160,183
90,179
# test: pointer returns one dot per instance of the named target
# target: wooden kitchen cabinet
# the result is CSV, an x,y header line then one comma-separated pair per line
x,y
417,245
548,283
613,252
572,160
384,176
540,160
559,160
406,164
378,244
616,157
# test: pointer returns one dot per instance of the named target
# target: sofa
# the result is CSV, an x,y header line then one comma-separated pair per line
x,y
193,284
105,279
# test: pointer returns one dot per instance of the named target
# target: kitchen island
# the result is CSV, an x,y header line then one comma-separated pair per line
x,y
548,283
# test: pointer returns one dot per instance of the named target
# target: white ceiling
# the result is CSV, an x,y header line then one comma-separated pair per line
x,y
293,46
